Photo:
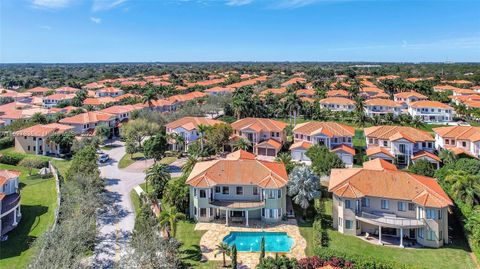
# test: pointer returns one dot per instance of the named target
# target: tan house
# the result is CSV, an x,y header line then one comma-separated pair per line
x,y
85,123
238,188
35,139
266,135
380,202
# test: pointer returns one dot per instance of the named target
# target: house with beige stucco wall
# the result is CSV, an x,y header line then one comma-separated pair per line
x,y
35,139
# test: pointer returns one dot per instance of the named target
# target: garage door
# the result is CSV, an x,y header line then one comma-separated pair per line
x,y
262,151
271,152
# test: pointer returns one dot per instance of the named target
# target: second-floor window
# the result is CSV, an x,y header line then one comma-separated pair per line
x,y
430,213
348,204
365,202
402,206
203,194
348,224
239,190
217,189
411,206
225,190
384,204
255,191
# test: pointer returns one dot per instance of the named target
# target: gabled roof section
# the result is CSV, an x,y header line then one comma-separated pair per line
x,y
329,129
191,123
392,133
241,155
379,164
259,125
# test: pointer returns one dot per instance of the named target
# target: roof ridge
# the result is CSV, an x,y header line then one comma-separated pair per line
x,y
430,190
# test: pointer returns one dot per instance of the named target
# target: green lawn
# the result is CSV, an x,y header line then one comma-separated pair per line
x,y
38,204
137,203
168,160
127,159
451,256
190,249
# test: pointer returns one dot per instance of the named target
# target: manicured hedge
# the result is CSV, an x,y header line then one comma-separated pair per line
x,y
7,142
11,158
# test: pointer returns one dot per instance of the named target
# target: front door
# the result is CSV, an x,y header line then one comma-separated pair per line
x,y
412,234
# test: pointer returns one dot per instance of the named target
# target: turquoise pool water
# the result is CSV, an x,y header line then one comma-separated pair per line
x,y
250,241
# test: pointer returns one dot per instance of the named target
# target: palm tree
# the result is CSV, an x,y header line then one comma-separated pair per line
x,y
223,249
303,186
286,159
360,116
417,122
241,143
189,164
158,176
168,220
292,104
447,156
201,130
464,187
149,96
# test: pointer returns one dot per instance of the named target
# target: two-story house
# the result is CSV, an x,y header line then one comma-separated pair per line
x,y
382,203
399,144
238,188
36,139
266,135
85,123
53,100
10,213
108,91
405,98
338,104
187,128
459,139
431,111
379,106
122,112
335,136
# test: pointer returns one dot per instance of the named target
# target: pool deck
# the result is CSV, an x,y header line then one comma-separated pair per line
x,y
217,231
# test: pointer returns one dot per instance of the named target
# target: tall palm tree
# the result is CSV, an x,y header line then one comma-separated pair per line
x,y
202,128
360,116
223,249
303,186
158,176
241,143
292,104
189,164
286,159
417,122
149,96
464,186
447,156
168,220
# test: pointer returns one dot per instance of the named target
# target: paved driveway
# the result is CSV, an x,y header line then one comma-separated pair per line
x,y
115,224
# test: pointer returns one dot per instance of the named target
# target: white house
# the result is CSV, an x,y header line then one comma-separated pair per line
x,y
459,139
431,111
187,128
379,106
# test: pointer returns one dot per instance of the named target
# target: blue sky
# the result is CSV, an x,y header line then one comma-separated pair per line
x,y
239,30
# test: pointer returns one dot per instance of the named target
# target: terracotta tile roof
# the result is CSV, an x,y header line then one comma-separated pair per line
x,y
252,81
66,109
305,92
219,89
40,130
409,94
327,128
442,88
93,85
391,184
206,83
109,90
337,101
392,133
334,85
469,133
123,109
381,102
162,83
127,95
41,90
60,96
163,102
259,125
133,83
413,79
270,142
99,101
240,155
460,81
88,117
379,164
472,104
191,123
429,104
344,148
66,89
307,99
6,175
301,145
187,97
277,91
388,77
459,151
337,93
376,150
238,172
424,153
293,81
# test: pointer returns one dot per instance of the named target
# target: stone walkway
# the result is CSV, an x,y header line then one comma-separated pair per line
x,y
217,231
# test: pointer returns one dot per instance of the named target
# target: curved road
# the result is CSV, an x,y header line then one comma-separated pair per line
x,y
115,223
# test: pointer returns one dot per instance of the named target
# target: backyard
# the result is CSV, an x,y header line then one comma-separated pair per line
x,y
38,204
455,255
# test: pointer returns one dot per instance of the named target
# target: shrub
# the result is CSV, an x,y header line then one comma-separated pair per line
x,y
11,158
7,142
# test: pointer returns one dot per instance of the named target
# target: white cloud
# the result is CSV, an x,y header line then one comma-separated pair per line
x,y
238,2
99,5
52,4
96,20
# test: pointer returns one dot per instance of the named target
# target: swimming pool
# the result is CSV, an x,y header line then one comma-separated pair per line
x,y
251,241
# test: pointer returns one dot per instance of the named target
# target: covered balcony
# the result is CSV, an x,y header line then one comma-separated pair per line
x,y
236,206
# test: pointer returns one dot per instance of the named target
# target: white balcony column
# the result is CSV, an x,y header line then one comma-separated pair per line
x,y
246,218
401,238
36,146
19,211
226,217
44,147
380,235
15,218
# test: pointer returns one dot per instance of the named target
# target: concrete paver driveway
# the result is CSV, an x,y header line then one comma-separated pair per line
x,y
115,224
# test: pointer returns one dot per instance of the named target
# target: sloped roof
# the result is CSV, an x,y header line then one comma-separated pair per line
x,y
259,125
240,155
429,104
41,130
88,117
376,150
392,133
386,183
424,153
469,133
270,142
328,128
337,100
191,123
301,145
381,102
344,148
379,164
410,94
238,172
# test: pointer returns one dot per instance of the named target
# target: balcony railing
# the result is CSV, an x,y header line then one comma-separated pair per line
x,y
389,220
